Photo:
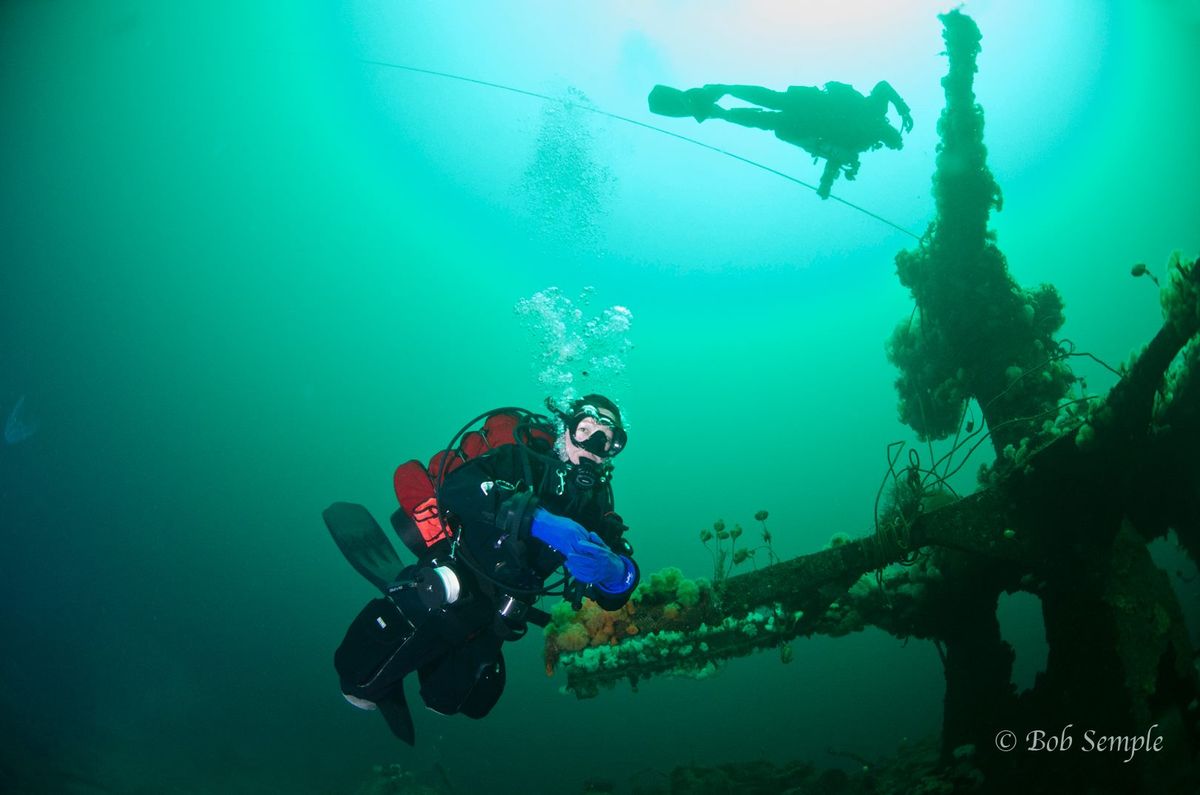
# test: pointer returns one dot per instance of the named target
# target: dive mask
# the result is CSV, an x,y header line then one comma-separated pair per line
x,y
599,435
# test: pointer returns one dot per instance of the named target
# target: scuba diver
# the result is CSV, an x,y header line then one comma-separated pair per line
x,y
490,519
836,123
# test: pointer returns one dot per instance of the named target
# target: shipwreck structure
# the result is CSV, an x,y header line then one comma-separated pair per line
x,y
1080,486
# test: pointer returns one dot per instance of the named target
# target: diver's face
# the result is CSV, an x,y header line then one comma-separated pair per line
x,y
584,431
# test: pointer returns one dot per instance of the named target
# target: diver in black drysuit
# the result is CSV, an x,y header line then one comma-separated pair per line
x,y
836,122
518,513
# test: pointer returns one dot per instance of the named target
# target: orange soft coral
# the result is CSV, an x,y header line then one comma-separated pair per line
x,y
573,638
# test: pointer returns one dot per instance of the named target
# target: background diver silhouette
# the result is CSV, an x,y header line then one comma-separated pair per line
x,y
836,123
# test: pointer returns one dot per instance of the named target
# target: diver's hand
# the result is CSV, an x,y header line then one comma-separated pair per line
x,y
557,532
594,563
905,122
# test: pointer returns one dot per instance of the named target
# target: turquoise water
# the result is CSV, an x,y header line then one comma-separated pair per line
x,y
247,273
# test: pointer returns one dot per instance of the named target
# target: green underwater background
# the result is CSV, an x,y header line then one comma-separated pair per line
x,y
248,268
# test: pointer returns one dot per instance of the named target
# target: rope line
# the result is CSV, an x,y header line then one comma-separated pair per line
x,y
644,125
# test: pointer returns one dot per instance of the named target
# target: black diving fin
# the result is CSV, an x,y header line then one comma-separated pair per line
x,y
667,101
362,541
394,709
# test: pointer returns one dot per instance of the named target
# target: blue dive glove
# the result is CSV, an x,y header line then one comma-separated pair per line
x,y
557,532
593,563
